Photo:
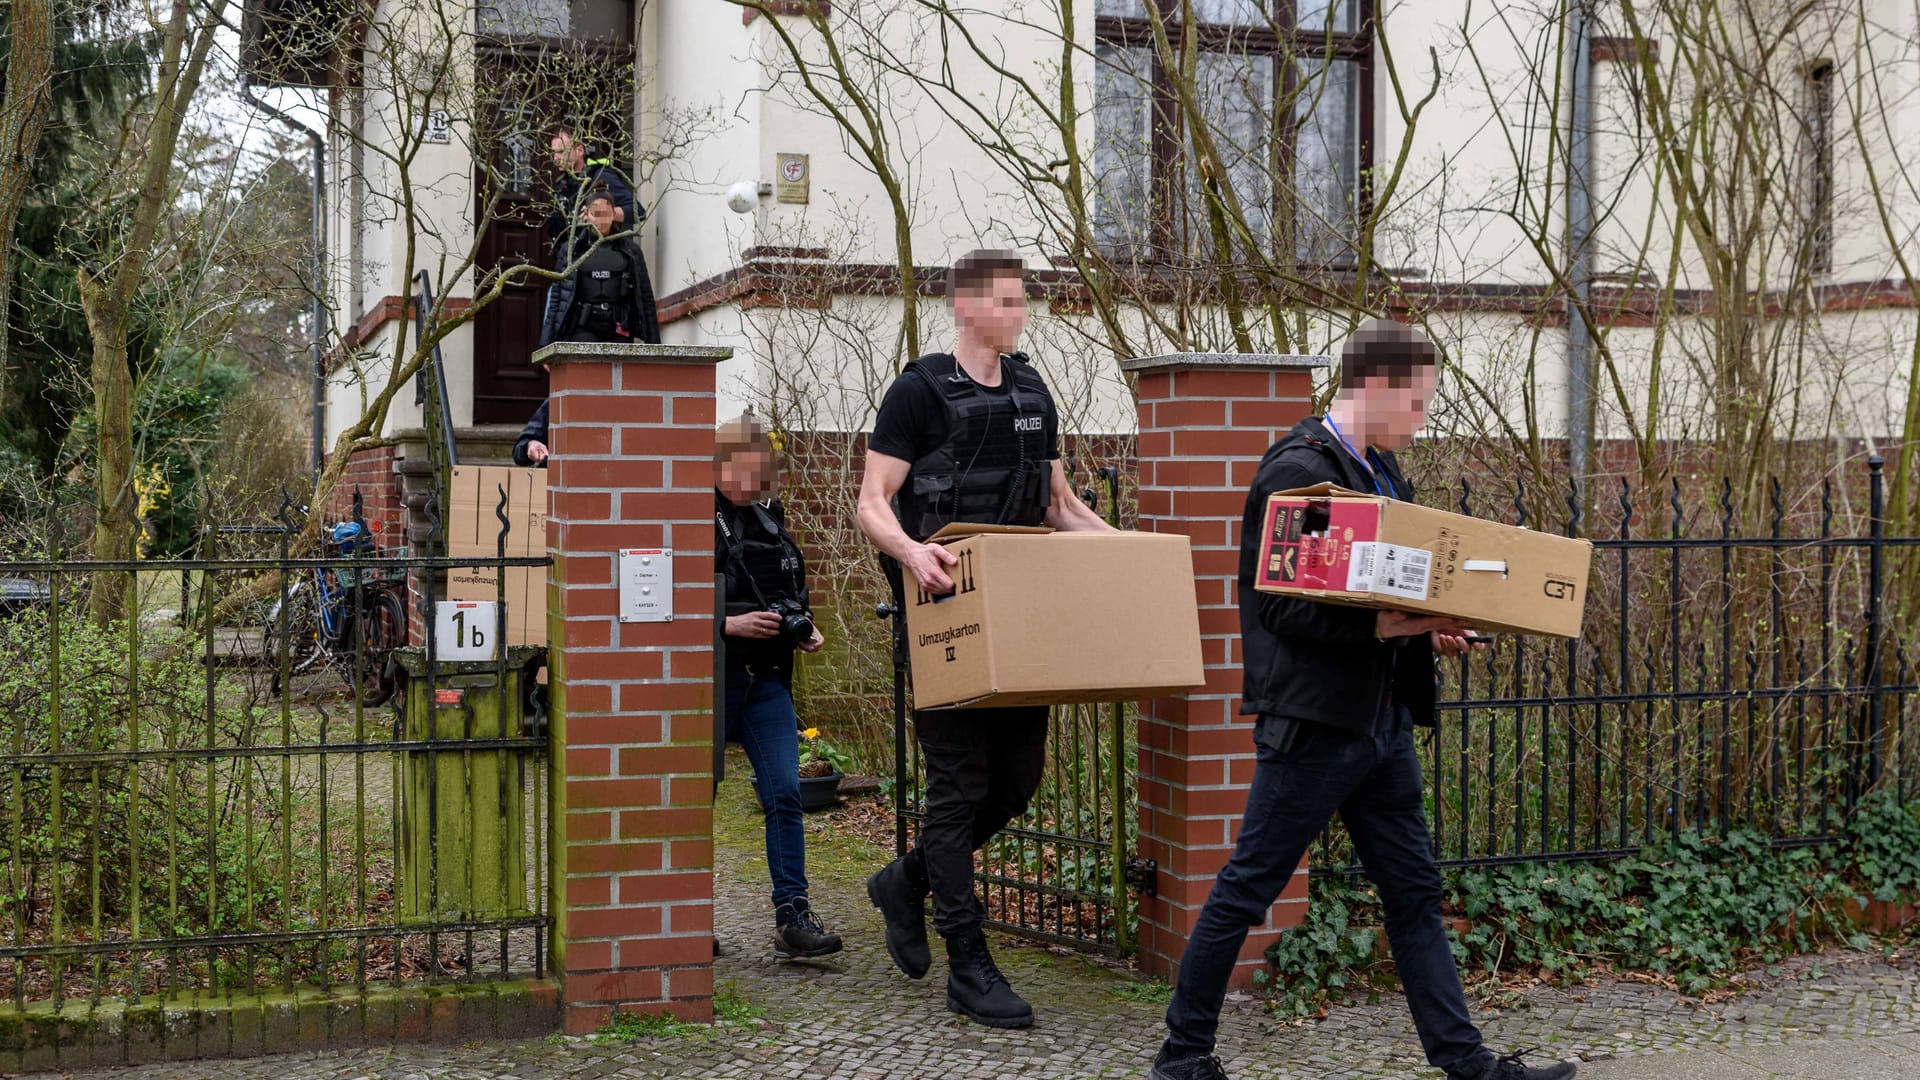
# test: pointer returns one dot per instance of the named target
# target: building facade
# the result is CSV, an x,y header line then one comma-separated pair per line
x,y
1614,227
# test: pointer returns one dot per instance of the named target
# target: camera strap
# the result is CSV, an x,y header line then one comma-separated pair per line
x,y
737,550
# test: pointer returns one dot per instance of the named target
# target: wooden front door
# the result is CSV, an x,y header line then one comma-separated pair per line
x,y
511,174
507,385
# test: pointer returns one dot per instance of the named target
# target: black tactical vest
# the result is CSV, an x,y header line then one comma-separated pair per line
x,y
756,550
993,468
602,290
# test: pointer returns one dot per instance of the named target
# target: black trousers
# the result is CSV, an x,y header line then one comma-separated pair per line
x,y
1374,784
982,767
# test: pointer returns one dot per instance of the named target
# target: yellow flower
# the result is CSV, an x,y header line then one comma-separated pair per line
x,y
812,733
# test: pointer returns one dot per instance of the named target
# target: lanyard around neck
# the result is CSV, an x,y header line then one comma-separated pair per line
x,y
1373,474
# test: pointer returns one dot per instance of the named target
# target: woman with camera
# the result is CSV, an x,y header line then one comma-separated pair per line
x,y
763,618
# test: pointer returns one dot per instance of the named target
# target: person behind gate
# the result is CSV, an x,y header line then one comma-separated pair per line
x,y
1337,692
608,299
582,173
966,436
763,618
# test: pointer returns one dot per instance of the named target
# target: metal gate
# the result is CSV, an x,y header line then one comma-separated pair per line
x,y
195,805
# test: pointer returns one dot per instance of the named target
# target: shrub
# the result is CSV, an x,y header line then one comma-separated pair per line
x,y
172,842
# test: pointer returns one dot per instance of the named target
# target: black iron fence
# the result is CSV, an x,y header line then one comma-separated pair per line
x,y
245,782
1728,678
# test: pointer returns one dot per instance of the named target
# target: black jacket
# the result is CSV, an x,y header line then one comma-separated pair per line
x,y
1320,662
733,657
535,431
642,317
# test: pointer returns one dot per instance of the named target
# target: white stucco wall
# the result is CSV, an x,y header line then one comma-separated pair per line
x,y
701,81
1464,212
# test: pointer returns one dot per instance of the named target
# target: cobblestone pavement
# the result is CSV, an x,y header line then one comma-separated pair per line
x,y
856,1018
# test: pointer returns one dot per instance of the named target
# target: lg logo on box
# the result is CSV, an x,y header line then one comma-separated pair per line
x,y
1559,590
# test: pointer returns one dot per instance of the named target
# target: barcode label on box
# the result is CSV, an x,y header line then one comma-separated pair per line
x,y
1390,570
1360,566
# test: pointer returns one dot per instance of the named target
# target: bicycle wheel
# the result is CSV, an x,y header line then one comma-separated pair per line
x,y
301,648
378,626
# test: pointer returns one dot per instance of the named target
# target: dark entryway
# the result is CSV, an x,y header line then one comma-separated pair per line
x,y
507,385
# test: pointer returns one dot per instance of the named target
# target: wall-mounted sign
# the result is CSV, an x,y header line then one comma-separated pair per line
x,y
436,127
790,185
466,629
646,585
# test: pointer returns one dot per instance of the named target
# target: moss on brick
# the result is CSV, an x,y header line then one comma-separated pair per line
x,y
195,1026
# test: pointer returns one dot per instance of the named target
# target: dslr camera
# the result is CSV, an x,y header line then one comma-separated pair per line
x,y
796,623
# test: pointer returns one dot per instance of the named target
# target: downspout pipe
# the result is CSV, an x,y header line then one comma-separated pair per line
x,y
321,315
1579,242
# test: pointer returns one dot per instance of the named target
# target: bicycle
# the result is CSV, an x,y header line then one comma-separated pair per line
x,y
348,619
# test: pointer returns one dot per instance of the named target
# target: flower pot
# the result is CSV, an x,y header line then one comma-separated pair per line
x,y
819,792
816,792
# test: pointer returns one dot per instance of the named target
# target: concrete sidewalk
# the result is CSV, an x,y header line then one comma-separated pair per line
x,y
1891,1057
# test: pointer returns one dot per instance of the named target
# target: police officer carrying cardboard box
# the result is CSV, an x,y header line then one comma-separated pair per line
x,y
1337,692
966,436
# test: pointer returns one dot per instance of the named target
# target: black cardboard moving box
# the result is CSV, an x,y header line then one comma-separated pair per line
x,y
1044,618
1329,544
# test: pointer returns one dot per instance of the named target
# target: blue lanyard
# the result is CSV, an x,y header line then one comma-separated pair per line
x,y
1373,474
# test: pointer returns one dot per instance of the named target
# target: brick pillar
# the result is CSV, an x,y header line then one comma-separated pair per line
x,y
1205,420
631,762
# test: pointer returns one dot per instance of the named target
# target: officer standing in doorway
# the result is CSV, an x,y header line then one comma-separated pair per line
x,y
583,174
608,299
966,436
612,298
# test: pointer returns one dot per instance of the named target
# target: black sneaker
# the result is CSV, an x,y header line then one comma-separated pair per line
x,y
1189,1067
1514,1067
977,990
797,933
903,904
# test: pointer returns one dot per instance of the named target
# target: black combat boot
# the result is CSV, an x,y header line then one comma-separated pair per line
x,y
1514,1067
1171,1066
975,987
902,900
797,933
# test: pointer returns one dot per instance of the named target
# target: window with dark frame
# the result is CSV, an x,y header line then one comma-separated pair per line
x,y
1313,57
609,21
1818,164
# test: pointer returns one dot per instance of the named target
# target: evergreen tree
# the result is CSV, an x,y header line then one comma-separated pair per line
x,y
97,77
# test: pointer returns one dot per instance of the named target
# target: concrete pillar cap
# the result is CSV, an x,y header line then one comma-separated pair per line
x,y
1205,361
562,351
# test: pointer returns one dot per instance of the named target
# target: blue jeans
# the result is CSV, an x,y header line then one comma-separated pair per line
x,y
1374,783
760,716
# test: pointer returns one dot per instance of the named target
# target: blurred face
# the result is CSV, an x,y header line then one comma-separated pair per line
x,y
568,156
599,214
1392,408
996,314
746,473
